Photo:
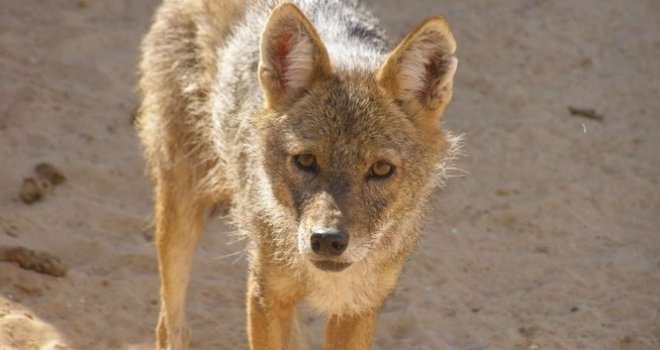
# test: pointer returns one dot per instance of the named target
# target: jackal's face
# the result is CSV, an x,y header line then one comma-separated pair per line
x,y
351,155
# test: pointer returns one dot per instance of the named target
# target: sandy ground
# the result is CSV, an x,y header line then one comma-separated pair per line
x,y
548,238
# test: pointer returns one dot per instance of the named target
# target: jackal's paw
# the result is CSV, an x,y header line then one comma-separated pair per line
x,y
172,339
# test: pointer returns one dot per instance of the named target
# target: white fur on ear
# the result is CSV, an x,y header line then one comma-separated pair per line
x,y
298,64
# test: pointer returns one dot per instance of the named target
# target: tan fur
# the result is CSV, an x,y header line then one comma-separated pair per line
x,y
218,128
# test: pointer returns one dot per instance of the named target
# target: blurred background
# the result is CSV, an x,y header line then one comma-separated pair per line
x,y
546,237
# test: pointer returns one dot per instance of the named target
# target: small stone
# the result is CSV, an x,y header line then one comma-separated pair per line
x,y
50,173
541,249
33,190
41,262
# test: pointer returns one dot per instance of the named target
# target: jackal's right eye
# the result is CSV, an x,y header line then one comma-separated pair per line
x,y
306,163
380,170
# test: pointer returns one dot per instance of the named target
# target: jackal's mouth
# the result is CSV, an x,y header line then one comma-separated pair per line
x,y
328,265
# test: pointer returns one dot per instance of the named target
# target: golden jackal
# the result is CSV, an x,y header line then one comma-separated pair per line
x,y
323,145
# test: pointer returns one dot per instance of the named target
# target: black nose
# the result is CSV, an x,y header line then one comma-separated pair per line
x,y
329,242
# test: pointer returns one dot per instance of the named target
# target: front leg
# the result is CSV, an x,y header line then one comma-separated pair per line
x,y
179,221
355,332
272,319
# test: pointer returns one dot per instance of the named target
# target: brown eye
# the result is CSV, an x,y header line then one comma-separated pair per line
x,y
381,170
306,162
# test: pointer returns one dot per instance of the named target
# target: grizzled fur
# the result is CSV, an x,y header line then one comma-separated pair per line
x,y
233,93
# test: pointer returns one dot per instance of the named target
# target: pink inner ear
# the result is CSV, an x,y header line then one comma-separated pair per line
x,y
282,50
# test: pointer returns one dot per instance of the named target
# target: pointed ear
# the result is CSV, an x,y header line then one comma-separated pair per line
x,y
419,72
292,55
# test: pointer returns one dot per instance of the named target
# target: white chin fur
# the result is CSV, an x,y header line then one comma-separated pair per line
x,y
342,293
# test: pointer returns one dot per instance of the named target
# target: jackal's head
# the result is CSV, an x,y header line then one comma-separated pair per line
x,y
352,155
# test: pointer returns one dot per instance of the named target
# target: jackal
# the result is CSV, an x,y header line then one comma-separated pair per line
x,y
323,144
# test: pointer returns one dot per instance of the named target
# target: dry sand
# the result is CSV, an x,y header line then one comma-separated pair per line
x,y
549,237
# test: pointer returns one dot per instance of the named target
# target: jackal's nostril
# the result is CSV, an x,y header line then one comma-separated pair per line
x,y
316,244
329,242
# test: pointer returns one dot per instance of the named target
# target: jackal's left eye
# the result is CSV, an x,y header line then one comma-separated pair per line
x,y
381,170
306,162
